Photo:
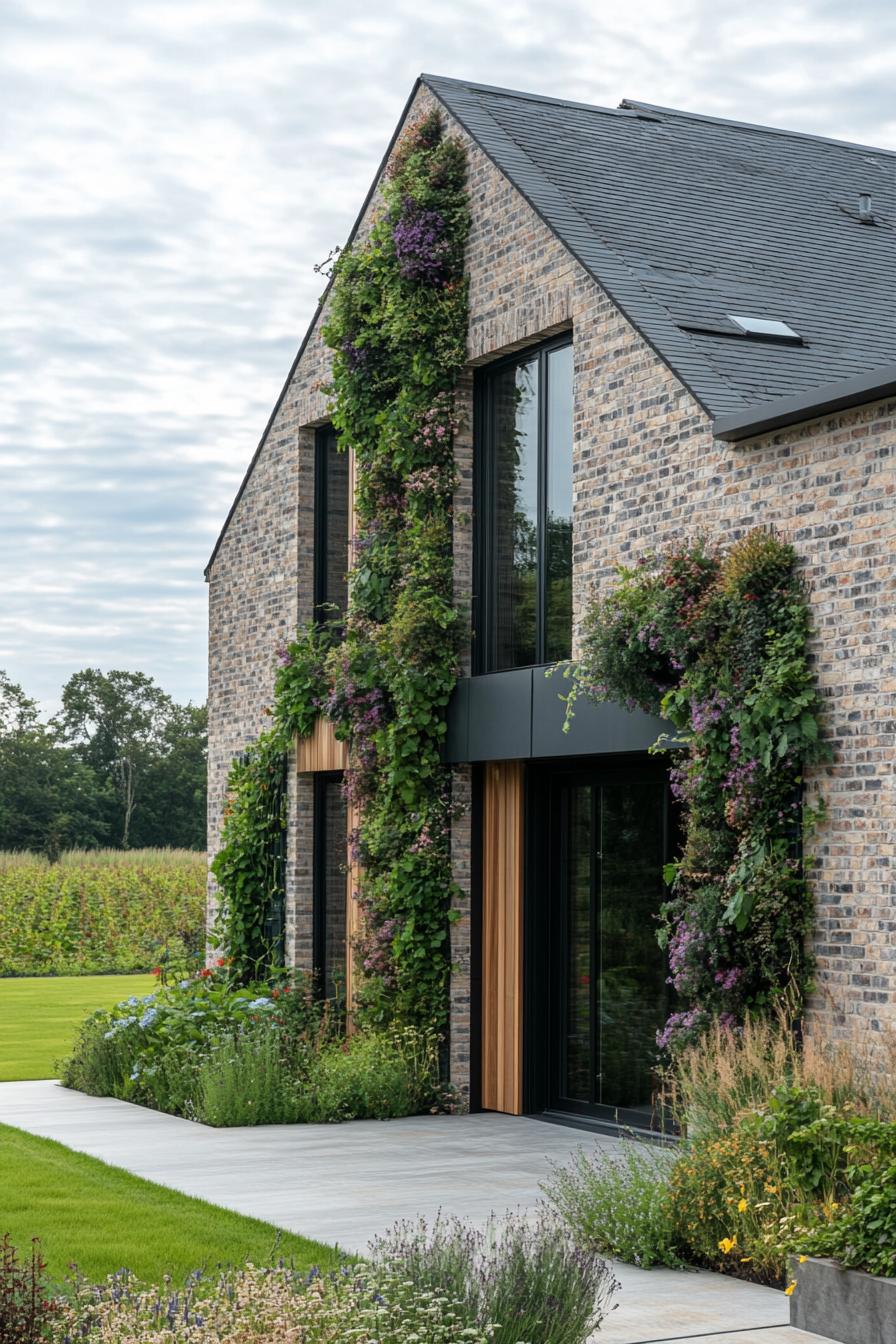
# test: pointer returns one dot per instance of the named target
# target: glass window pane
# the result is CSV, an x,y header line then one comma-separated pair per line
x,y
335,582
558,524
577,849
334,889
513,600
634,994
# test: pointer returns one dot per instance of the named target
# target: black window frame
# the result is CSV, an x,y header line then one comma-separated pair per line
x,y
320,871
484,531
324,440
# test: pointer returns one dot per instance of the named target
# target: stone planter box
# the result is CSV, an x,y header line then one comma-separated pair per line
x,y
843,1304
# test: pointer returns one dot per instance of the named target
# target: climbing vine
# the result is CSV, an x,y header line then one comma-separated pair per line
x,y
716,640
249,865
397,324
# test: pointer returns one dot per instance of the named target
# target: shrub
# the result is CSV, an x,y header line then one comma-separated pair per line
x,y
527,1279
861,1233
276,1306
373,1076
734,1208
99,911
243,1080
240,1055
149,1049
619,1204
26,1310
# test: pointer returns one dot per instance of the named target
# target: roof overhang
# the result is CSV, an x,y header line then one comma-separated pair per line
x,y
812,405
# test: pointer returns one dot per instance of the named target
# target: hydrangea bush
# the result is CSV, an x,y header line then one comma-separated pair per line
x,y
224,1054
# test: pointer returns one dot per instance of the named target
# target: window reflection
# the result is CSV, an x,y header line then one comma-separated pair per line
x,y
525,510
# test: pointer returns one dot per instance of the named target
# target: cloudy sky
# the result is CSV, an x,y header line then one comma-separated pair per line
x,y
172,170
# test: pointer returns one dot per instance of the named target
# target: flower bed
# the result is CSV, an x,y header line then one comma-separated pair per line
x,y
224,1054
512,1282
794,1153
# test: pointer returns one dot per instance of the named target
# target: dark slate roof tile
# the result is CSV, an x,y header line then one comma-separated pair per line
x,y
684,219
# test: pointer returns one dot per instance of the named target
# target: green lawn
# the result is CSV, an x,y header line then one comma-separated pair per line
x,y
103,1218
39,1018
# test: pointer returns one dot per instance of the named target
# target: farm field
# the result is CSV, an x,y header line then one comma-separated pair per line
x,y
100,911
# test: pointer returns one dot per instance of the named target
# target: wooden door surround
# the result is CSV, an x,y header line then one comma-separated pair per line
x,y
502,942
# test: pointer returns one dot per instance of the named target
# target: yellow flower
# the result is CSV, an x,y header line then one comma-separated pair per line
x,y
727,1244
742,1206
803,1259
790,1287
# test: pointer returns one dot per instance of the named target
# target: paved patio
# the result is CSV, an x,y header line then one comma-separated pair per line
x,y
347,1183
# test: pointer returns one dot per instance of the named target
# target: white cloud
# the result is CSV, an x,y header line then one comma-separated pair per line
x,y
171,171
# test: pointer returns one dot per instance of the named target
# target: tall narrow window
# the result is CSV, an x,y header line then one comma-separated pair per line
x,y
524,509
331,527
330,885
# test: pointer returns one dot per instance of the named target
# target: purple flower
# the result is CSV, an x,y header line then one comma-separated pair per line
x,y
356,356
420,244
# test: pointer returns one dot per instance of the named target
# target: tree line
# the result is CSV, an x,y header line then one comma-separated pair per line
x,y
121,765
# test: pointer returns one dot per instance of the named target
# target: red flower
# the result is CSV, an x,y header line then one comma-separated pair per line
x,y
157,970
221,962
205,972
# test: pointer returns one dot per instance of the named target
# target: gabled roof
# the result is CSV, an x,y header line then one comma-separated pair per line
x,y
685,219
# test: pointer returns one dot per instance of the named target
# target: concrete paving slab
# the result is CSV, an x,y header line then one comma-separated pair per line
x,y
348,1183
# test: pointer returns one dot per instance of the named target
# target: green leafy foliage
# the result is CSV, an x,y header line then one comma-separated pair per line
x,y
122,764
717,641
249,865
619,1204
208,1049
862,1232
396,323
148,753
99,910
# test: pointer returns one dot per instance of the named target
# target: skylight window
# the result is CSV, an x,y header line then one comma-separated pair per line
x,y
768,329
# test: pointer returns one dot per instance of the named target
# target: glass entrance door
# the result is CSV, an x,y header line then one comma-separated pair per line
x,y
608,993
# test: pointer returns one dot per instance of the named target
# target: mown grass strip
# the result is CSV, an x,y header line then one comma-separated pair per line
x,y
102,1218
40,1017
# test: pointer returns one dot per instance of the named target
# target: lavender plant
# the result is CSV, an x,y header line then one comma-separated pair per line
x,y
619,1203
524,1280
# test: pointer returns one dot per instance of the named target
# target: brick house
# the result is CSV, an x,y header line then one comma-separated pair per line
x,y
689,324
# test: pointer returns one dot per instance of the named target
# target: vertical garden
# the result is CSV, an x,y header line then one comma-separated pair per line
x,y
396,324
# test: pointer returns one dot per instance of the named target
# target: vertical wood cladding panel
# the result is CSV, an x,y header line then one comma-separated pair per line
x,y
321,750
502,945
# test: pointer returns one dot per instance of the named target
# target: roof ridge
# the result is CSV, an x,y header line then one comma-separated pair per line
x,y
636,103
477,87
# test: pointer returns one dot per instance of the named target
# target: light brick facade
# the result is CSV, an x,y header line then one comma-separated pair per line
x,y
646,469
